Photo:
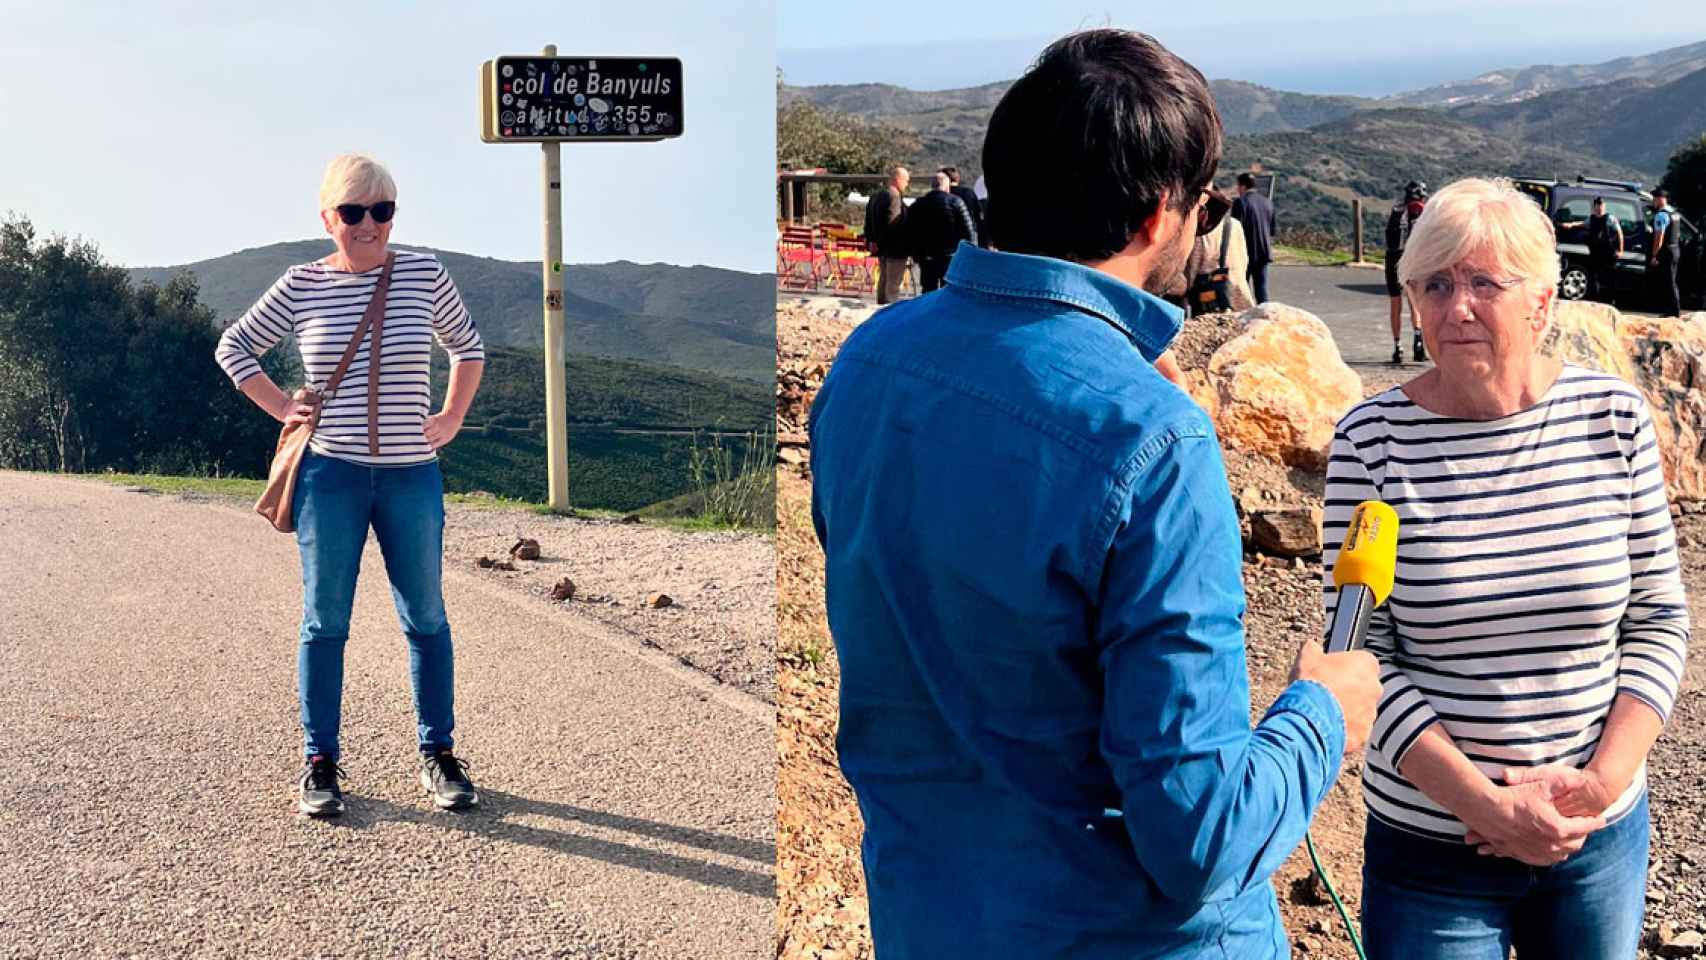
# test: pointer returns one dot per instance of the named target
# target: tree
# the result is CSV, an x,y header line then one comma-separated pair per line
x,y
95,374
64,311
810,136
1685,178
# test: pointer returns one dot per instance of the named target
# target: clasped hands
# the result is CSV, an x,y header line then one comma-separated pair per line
x,y
1541,815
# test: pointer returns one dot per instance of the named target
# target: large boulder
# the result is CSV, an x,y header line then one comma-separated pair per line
x,y
1278,388
1665,360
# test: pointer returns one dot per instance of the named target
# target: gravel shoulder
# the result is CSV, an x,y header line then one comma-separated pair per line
x,y
148,644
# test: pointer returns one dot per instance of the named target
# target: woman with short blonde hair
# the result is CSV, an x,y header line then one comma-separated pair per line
x,y
372,461
1534,640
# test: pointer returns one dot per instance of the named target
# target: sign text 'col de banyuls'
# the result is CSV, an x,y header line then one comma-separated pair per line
x,y
540,98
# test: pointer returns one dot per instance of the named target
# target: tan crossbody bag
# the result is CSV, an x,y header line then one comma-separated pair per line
x,y
275,500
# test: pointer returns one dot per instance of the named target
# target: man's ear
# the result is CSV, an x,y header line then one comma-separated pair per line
x,y
1154,229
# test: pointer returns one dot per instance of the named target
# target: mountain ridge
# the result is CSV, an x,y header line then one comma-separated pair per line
x,y
706,318
1515,84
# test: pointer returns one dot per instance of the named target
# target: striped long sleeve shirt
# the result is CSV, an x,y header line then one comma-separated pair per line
x,y
322,307
1537,580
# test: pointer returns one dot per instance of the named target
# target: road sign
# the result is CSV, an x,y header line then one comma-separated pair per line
x,y
548,99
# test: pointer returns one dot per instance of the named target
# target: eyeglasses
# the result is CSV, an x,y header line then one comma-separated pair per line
x,y
1441,288
1211,209
351,213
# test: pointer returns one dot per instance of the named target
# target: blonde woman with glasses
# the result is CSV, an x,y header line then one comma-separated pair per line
x,y
1535,639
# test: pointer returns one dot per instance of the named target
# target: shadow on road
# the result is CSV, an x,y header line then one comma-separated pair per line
x,y
1379,288
490,821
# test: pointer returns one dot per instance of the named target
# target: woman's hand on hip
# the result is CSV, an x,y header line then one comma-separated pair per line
x,y
441,428
1522,822
299,408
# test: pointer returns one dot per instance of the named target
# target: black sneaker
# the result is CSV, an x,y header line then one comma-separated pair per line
x,y
1416,351
1397,355
446,780
320,796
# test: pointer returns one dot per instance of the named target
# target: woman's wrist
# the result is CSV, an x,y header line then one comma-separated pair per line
x,y
1478,803
1614,775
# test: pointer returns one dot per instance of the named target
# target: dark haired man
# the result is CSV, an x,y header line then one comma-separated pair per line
x,y
974,205
1033,566
1256,214
1665,254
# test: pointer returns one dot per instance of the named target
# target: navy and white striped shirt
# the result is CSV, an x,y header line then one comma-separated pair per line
x,y
1537,579
322,307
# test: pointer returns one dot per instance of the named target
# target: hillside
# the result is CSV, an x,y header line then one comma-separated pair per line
x,y
1634,122
1326,150
1516,84
719,321
616,394
1248,108
951,123
632,428
1372,154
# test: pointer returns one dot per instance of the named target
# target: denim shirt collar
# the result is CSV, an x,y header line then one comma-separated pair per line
x,y
1148,321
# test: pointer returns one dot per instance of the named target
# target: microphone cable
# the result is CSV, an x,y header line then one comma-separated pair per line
x,y
1363,574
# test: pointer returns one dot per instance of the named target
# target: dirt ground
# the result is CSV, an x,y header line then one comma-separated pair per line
x,y
719,583
823,912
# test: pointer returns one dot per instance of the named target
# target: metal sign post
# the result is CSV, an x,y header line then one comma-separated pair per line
x,y
556,350
550,100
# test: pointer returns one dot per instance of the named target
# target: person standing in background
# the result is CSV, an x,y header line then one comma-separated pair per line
x,y
885,232
939,222
1665,255
1398,225
1256,214
973,203
1605,245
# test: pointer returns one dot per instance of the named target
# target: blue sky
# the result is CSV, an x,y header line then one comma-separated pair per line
x,y
176,131
1369,47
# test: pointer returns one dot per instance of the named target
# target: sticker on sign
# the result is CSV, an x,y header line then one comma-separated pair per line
x,y
536,99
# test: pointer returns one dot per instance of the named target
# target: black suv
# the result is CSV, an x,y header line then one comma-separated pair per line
x,y
1568,202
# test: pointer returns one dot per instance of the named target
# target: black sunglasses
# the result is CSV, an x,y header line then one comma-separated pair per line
x,y
351,213
1214,206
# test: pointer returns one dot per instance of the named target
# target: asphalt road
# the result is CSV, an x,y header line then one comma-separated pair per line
x,y
1352,301
151,743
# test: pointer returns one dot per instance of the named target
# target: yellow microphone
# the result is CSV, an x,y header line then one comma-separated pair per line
x,y
1363,573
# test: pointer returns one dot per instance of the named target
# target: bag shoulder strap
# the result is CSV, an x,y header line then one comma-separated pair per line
x,y
375,307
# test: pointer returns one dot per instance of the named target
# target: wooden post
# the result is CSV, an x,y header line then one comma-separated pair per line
x,y
556,390
1356,215
788,202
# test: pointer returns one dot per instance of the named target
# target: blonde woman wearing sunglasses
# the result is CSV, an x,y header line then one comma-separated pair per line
x,y
372,461
1534,642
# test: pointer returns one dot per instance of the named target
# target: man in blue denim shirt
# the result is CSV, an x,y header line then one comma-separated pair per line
x,y
1034,567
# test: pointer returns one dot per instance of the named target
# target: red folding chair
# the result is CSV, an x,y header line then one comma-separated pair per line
x,y
852,267
800,264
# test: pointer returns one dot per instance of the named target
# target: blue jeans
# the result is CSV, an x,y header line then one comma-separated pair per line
x,y
335,502
1432,900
